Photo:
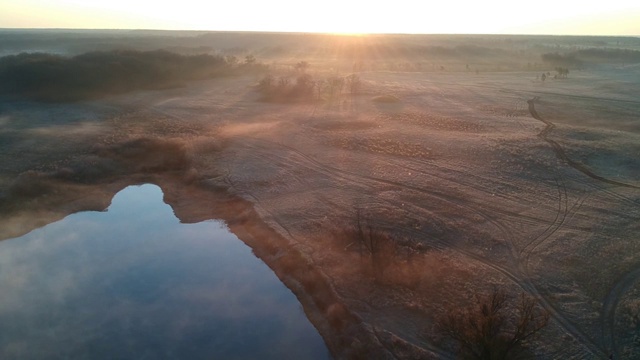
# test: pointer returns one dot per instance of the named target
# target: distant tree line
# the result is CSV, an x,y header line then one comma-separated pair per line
x,y
579,57
609,55
558,59
48,77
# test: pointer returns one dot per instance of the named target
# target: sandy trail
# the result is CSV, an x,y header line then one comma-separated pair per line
x,y
561,153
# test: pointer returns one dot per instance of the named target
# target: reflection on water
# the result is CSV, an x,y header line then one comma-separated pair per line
x,y
133,282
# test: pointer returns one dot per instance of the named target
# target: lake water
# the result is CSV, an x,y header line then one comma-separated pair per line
x,y
135,283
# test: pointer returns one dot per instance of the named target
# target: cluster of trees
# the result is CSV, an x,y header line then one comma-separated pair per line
x,y
57,78
609,55
562,72
578,58
383,48
306,88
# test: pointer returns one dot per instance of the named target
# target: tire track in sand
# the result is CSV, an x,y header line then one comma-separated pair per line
x,y
561,154
364,180
614,296
609,305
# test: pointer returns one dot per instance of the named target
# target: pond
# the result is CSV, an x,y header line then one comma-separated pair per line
x,y
134,283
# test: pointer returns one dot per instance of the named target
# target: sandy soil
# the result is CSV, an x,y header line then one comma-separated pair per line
x,y
479,179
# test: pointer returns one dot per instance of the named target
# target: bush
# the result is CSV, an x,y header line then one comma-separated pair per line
x,y
373,244
354,84
494,327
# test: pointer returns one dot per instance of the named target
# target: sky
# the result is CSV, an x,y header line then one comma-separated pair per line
x,y
612,17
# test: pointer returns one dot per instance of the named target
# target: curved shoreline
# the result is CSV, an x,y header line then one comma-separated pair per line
x,y
345,334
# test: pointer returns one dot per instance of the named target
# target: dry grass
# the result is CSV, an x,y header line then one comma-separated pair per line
x,y
497,326
386,99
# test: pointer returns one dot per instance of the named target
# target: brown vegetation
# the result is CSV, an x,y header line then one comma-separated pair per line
x,y
306,87
496,326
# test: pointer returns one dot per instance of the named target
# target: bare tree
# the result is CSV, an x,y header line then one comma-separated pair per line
x,y
354,84
249,59
304,86
496,327
302,66
231,60
334,85
375,244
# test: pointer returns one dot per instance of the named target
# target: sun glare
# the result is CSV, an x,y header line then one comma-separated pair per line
x,y
350,34
352,18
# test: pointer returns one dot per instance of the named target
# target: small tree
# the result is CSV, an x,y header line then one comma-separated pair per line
x,y
267,83
374,244
231,60
354,84
302,66
249,59
334,85
494,328
304,86
283,83
562,72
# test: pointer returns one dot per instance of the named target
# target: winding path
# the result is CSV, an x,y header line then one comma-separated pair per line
x,y
562,155
625,282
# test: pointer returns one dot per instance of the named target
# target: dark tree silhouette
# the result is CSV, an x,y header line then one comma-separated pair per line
x,y
562,72
354,84
302,66
249,59
98,73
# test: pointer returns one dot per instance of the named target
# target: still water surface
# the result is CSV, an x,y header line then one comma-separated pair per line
x,y
135,283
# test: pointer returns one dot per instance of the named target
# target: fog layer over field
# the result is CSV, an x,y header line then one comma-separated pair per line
x,y
389,181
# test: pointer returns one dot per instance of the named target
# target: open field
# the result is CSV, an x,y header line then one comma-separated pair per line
x,y
479,175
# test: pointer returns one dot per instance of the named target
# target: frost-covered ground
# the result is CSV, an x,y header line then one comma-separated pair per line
x,y
479,180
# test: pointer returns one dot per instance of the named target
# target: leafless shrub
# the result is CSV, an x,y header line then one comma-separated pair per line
x,y
334,86
302,66
354,84
374,244
496,326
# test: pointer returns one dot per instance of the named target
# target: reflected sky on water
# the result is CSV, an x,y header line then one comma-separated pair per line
x,y
132,282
